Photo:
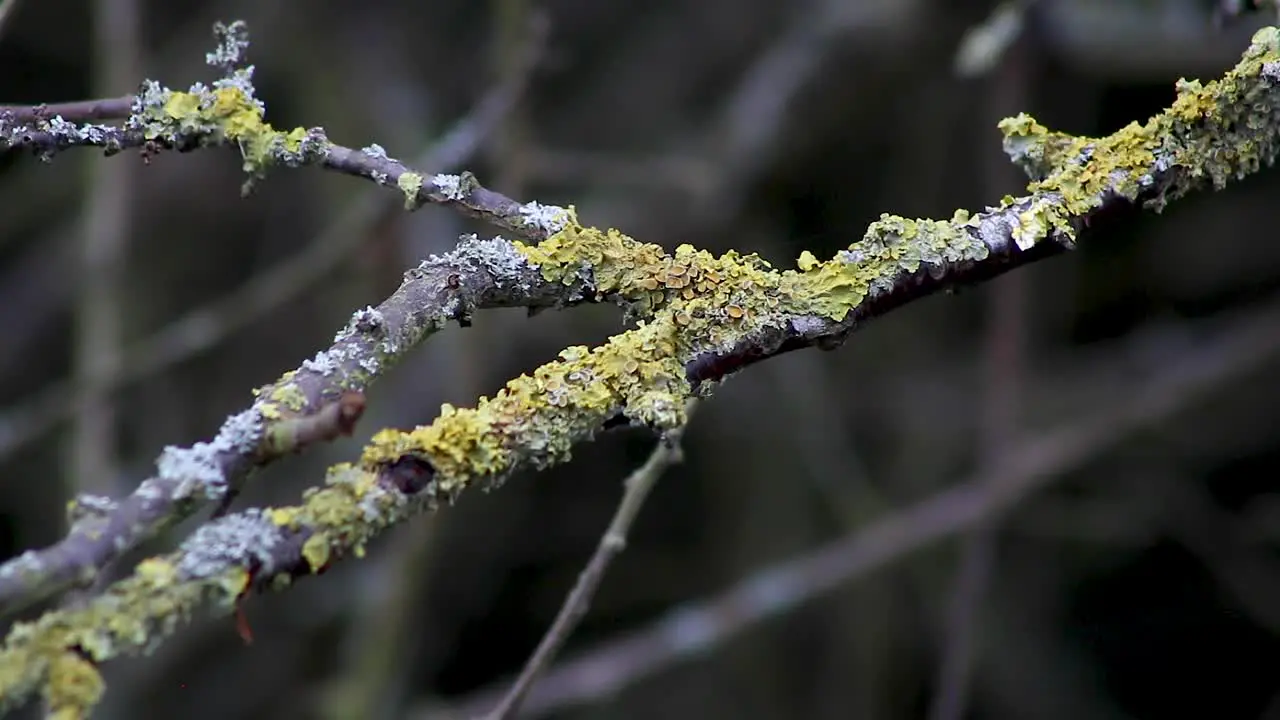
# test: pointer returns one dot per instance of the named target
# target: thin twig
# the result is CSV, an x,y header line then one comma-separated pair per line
x,y
635,492
1245,345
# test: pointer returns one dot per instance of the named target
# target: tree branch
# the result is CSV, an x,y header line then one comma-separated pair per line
x,y
204,327
699,319
1243,346
290,414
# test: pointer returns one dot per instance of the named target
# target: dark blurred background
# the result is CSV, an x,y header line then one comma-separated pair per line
x,y
1140,580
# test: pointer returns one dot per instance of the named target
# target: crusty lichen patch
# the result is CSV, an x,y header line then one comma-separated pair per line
x,y
537,418
1222,130
59,651
228,113
75,686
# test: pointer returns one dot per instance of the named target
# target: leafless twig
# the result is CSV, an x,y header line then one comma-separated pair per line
x,y
635,492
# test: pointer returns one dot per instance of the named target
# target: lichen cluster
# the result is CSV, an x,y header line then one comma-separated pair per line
x,y
537,418
59,651
229,113
690,302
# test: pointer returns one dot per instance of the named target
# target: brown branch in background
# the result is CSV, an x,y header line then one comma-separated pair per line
x,y
1004,372
1241,346
205,327
635,491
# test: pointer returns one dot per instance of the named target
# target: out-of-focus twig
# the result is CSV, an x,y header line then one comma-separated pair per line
x,y
1004,378
635,492
7,8
1244,345
1004,372
104,244
984,44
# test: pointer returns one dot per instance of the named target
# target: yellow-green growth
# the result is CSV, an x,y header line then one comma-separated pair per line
x,y
226,112
1221,130
131,616
75,686
715,301
537,418
410,184
290,396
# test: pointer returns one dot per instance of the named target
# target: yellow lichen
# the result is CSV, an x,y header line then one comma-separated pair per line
x,y
285,517
538,417
74,687
225,113
316,551
157,570
290,395
410,183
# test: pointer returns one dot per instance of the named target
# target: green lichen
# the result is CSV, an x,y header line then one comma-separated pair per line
x,y
75,686
316,552
537,418
58,652
1221,130
410,183
229,114
290,396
